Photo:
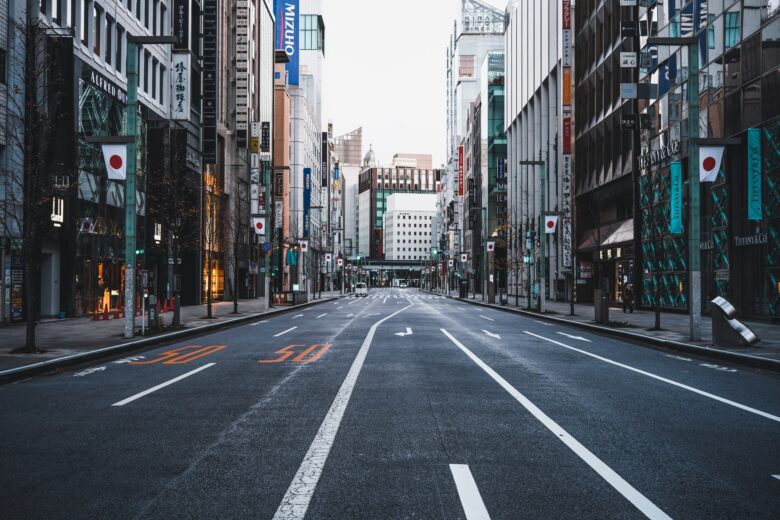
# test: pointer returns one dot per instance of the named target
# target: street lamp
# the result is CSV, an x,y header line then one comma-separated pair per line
x,y
542,234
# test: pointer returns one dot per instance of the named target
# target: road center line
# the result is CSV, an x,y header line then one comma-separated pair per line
x,y
468,492
296,500
663,379
485,317
162,385
285,332
639,501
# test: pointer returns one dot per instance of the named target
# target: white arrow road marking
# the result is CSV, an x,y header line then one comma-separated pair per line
x,y
717,367
89,371
407,333
641,502
285,332
297,316
485,317
580,338
663,379
162,385
129,359
491,334
468,492
296,500
321,315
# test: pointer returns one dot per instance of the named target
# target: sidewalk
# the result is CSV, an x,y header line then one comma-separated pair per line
x,y
674,326
60,338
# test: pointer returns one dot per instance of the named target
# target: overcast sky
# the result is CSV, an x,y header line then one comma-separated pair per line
x,y
385,71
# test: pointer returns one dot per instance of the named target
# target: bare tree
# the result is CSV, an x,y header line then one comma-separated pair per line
x,y
38,99
213,199
238,225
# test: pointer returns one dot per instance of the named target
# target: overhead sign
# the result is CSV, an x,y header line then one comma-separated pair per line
x,y
287,36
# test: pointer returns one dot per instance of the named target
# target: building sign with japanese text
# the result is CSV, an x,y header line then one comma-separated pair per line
x,y
180,102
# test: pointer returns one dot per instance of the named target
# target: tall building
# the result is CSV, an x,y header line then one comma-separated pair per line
x,y
349,153
538,123
739,246
407,226
478,30
375,185
606,168
349,147
413,160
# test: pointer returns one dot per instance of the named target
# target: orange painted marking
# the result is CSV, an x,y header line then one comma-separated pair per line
x,y
290,350
181,355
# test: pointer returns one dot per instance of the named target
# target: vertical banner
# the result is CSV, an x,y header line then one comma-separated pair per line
x,y
325,161
180,102
567,132
209,86
675,198
460,171
181,24
754,174
567,194
306,200
287,35
254,170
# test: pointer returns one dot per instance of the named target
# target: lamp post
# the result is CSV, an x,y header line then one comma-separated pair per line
x,y
542,234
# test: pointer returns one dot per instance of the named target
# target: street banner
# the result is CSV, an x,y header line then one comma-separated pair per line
x,y
306,200
288,36
710,158
550,224
460,171
304,246
675,198
754,174
450,262
328,257
340,262
259,224
464,257
491,246
115,156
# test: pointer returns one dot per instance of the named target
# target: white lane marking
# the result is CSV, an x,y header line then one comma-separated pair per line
x,y
385,300
485,317
717,367
350,315
89,371
663,379
543,323
492,335
297,316
353,301
161,385
407,333
468,492
777,477
257,323
678,357
339,308
296,500
285,332
641,502
579,338
321,315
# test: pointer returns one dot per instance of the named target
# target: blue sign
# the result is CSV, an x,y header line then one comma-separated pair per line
x,y
306,200
287,35
675,198
267,247
754,174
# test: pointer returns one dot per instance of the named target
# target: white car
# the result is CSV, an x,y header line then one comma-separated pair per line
x,y
361,289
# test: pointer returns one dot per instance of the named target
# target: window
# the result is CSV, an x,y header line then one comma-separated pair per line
x,y
154,78
109,39
97,25
146,13
466,66
163,71
147,57
732,29
163,12
120,35
85,13
2,66
155,7
312,33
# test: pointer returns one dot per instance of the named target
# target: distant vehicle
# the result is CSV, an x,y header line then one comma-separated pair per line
x,y
403,285
361,289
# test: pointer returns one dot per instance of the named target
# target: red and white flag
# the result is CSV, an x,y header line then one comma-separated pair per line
x,y
550,224
115,156
259,224
304,246
710,158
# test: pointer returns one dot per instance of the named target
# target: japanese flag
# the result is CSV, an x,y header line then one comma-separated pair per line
x,y
709,162
491,246
115,156
259,224
550,224
304,246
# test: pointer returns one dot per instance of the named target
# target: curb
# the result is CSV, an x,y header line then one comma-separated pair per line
x,y
14,374
708,352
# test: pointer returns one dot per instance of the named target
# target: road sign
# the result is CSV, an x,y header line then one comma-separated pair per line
x,y
267,246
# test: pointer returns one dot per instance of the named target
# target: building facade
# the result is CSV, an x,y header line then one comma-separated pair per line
x,y
407,226
740,211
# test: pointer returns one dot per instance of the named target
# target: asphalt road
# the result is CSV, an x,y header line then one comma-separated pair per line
x,y
399,405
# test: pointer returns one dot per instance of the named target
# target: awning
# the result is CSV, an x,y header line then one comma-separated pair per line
x,y
608,235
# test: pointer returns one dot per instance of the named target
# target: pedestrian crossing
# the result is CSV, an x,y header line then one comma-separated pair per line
x,y
381,295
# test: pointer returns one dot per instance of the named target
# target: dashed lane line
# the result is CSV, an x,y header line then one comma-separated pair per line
x,y
162,385
285,332
470,499
642,503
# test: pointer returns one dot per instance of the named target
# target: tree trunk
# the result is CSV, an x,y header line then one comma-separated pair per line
x,y
209,314
235,275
